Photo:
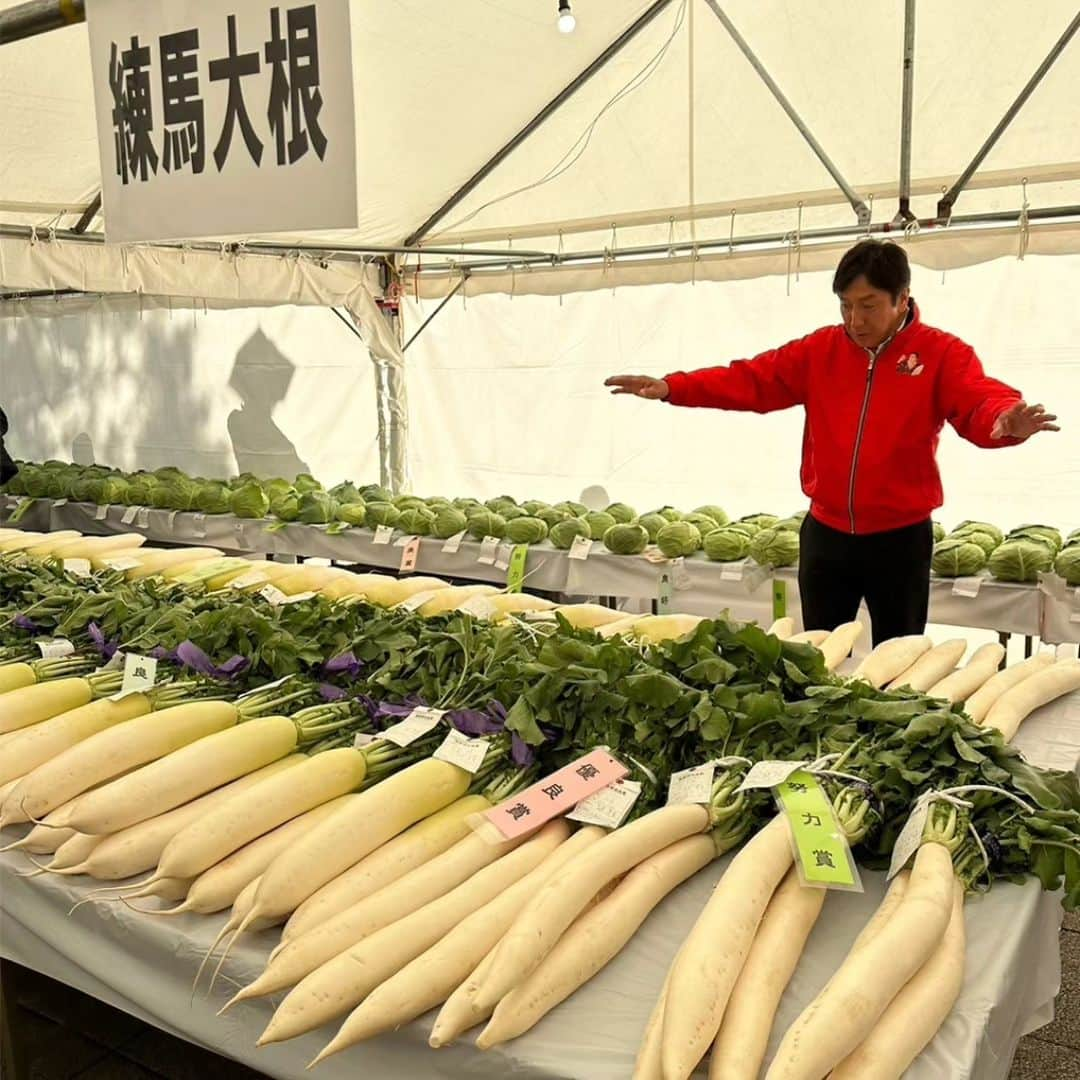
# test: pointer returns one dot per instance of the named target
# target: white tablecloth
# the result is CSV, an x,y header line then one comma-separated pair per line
x,y
707,589
145,966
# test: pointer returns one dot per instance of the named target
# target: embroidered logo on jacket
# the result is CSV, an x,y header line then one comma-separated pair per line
x,y
909,365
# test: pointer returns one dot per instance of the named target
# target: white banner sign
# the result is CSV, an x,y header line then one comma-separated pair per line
x,y
223,117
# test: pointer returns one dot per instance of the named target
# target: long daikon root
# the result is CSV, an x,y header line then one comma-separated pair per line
x,y
933,666
648,1065
917,1012
740,1046
965,681
979,704
1015,705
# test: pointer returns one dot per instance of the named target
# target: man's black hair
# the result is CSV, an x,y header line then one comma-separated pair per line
x,y
883,264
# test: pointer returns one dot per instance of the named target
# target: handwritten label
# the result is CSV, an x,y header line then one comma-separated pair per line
x,y
580,548
409,554
680,576
458,749
272,595
907,843
515,574
691,785
417,724
733,571
417,600
247,579
663,593
967,586
453,543
55,648
766,774
383,534
821,848
198,525
779,598
101,513
122,562
479,607
488,548
78,567
142,519
553,796
128,515
654,555
139,675
609,807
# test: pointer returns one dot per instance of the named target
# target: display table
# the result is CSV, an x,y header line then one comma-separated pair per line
x,y
1060,610
145,966
706,588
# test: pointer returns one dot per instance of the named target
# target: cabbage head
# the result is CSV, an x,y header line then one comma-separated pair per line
x,y
678,538
305,482
177,493
985,540
791,524
747,528
705,522
1072,538
552,515
511,512
1068,564
249,501
761,521
17,484
532,507
143,488
526,530
500,503
1021,560
627,538
407,502
1045,534
652,524
114,490
449,522
274,487
212,498
381,513
469,505
715,512
939,531
563,533
87,489
978,526
668,513
622,513
599,521
375,493
285,505
726,545
352,513
486,523
957,557
346,492
775,546
575,508
416,521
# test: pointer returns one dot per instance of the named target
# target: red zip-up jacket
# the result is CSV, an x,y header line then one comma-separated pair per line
x,y
872,421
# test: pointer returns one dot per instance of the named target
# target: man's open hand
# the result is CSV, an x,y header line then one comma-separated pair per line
x,y
1023,420
643,386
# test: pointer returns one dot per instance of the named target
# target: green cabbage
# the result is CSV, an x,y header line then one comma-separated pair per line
x,y
142,489
761,521
575,508
408,502
449,522
486,523
563,533
500,503
552,515
212,498
417,521
678,538
790,524
305,482
346,492
747,528
468,505
249,501
975,536
285,505
317,508
726,545
526,530
381,513
978,526
715,512
352,513
511,512
177,493
626,538
775,546
599,521
652,524
273,488
705,523
1021,560
1045,534
1068,564
622,513
668,513
532,507
955,556
17,484
375,493
939,531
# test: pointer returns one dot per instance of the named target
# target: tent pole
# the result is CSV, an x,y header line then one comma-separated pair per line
x,y
39,17
88,215
862,211
948,200
904,214
445,300
508,148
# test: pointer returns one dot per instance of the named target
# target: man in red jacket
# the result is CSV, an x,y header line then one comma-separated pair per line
x,y
877,391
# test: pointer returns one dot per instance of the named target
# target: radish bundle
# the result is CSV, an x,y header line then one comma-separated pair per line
x,y
17,711
53,693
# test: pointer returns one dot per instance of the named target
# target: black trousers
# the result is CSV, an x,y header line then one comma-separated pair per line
x,y
890,570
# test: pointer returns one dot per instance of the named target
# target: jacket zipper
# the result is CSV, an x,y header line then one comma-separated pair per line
x,y
859,435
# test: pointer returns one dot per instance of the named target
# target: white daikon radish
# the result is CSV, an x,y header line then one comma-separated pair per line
x,y
621,627
891,658
1015,705
31,705
657,628
979,704
836,648
933,666
782,628
153,560
961,684
589,616
811,637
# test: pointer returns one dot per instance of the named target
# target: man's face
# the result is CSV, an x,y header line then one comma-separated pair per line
x,y
871,315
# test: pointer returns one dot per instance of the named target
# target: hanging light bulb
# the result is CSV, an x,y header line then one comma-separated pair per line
x,y
567,22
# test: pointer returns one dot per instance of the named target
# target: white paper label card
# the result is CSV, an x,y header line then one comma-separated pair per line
x,y
967,586
580,548
122,562
453,544
608,807
458,749
198,524
417,724
654,554
479,606
383,534
101,513
139,675
362,739
767,774
907,843
489,546
78,567
417,600
59,502
680,576
128,515
295,598
143,518
502,559
733,571
247,579
54,648
691,785
273,595
409,554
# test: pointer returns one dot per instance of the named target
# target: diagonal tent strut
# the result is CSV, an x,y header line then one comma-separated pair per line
x,y
904,214
948,200
862,211
508,148
39,17
88,215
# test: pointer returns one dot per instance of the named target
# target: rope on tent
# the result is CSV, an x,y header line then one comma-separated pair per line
x,y
731,235
1024,222
690,146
